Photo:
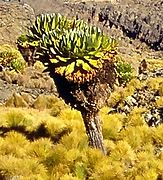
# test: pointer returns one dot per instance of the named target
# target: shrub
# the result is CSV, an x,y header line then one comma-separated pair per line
x,y
124,71
11,58
46,102
155,83
57,108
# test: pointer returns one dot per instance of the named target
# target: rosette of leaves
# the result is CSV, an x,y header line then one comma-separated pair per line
x,y
79,54
124,71
25,41
47,23
44,24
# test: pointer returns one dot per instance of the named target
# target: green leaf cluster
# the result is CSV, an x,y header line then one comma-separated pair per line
x,y
45,24
25,41
76,49
71,47
124,71
11,58
77,52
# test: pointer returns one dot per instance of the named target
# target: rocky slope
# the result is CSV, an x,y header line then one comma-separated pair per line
x,y
141,20
32,81
136,24
147,95
15,18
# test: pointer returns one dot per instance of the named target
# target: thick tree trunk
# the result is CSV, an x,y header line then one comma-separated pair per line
x,y
94,130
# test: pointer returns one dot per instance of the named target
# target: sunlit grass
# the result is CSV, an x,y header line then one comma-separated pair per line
x,y
131,151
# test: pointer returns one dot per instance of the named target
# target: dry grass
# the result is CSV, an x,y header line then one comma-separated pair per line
x,y
155,63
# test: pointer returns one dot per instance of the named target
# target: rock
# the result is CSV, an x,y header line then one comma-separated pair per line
x,y
137,20
144,98
131,101
28,98
16,100
15,19
153,117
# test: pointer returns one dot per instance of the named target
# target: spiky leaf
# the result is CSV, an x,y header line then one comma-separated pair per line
x,y
70,68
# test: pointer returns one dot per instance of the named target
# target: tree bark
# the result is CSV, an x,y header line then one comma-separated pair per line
x,y
94,130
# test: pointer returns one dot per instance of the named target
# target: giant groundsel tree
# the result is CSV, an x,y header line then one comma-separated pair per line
x,y
80,59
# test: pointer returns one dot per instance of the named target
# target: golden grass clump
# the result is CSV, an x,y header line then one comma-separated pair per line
x,y
57,108
49,147
14,144
159,102
12,166
155,83
135,117
48,102
16,100
137,137
158,135
113,126
121,94
15,118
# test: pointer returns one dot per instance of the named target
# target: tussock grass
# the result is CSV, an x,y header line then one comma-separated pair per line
x,y
56,147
